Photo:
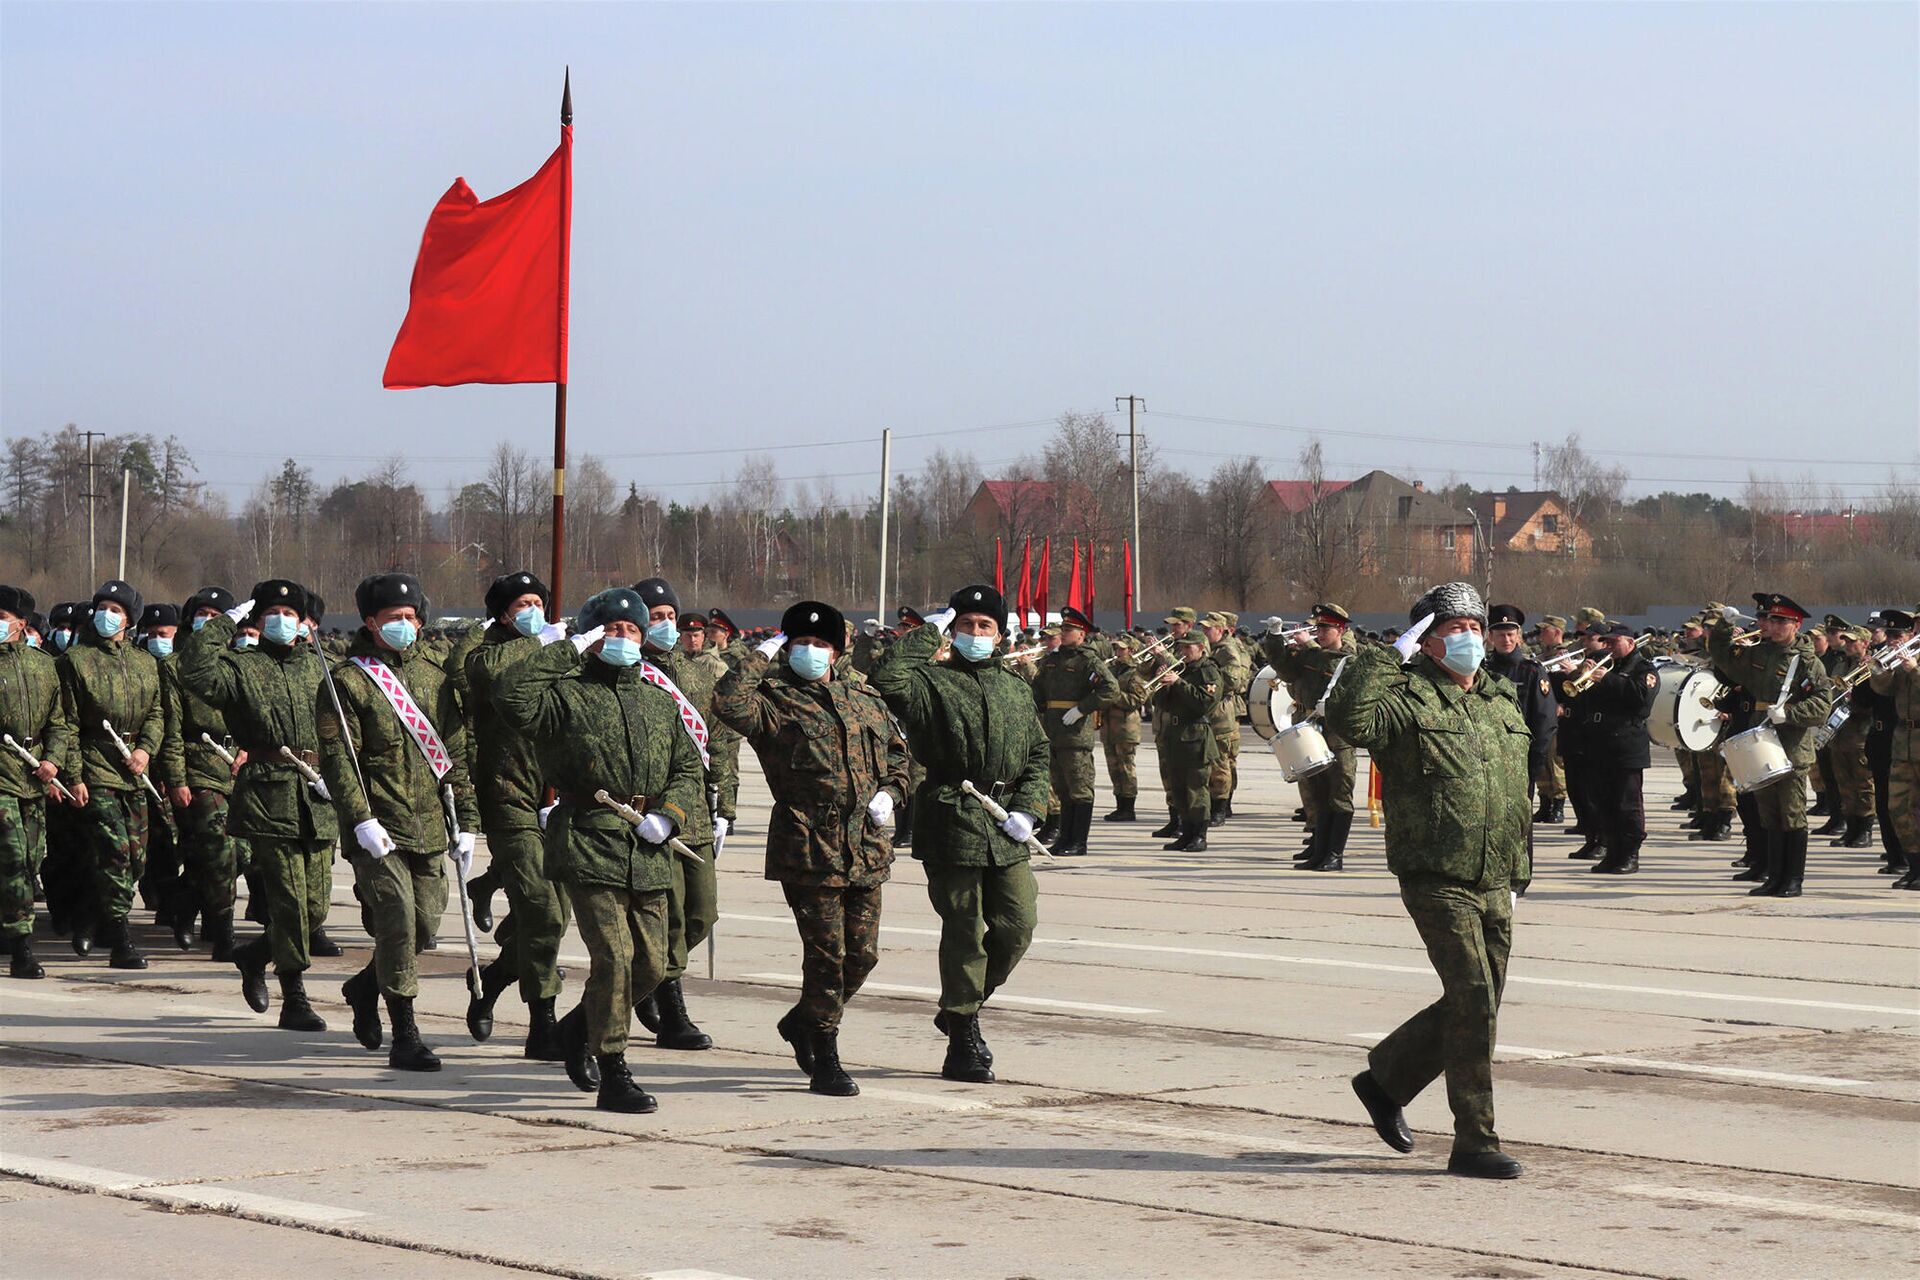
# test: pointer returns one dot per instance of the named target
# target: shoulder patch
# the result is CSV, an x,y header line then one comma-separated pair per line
x,y
1545,688
1652,679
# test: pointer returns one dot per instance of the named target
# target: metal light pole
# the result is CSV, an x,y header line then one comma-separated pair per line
x,y
886,471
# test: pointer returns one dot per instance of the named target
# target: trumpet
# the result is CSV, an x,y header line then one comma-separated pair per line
x,y
1291,633
1742,639
1587,679
1886,659
1170,673
1027,654
1160,642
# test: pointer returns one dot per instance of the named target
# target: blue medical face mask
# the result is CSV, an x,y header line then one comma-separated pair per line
x,y
974,648
245,640
530,620
1465,651
663,634
200,621
33,641
399,633
809,662
107,622
159,646
6,631
305,631
280,628
618,651
61,639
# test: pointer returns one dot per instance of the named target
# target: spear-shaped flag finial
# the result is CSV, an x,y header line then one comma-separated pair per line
x,y
566,98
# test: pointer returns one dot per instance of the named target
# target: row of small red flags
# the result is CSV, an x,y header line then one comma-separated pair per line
x,y
1030,596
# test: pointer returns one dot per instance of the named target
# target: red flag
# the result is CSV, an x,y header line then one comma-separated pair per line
x,y
488,301
1086,582
1045,580
1073,581
999,570
1024,601
1126,585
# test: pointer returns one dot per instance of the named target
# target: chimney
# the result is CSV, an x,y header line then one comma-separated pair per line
x,y
1499,509
1419,486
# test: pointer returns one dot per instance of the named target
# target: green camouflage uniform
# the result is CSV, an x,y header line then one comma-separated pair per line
x,y
510,791
1903,778
403,894
1453,770
827,747
1120,734
1759,669
209,861
694,906
1236,669
1183,735
723,744
1852,775
1071,678
113,680
1307,670
31,710
595,726
269,697
972,722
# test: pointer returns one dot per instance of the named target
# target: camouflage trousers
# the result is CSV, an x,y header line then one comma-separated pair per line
x,y
1689,768
626,935
1822,776
1852,775
1331,789
693,907
23,844
1716,784
116,848
208,853
1121,771
296,884
1223,776
402,897
536,919
839,946
1467,935
1552,779
1187,790
987,918
1782,804
1903,804
1070,773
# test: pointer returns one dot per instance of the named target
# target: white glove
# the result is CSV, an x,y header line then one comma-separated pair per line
x,y
1409,640
1073,717
1275,625
941,621
880,809
720,828
549,633
240,611
1516,900
654,828
1018,826
587,639
870,627
547,813
1777,713
1729,614
771,645
373,837
462,853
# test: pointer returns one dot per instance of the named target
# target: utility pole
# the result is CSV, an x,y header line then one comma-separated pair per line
x,y
1536,464
126,491
93,574
886,472
1134,405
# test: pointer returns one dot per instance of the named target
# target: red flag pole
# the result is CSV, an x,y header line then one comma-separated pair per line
x,y
1126,585
1073,579
999,570
560,386
1086,583
1025,599
1043,586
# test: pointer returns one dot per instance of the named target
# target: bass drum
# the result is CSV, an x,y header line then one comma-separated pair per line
x,y
1684,717
1269,705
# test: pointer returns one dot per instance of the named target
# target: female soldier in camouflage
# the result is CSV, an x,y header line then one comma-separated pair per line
x,y
837,769
30,712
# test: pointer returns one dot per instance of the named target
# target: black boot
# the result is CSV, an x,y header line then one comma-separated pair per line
x,y
219,934
829,1077
1559,811
964,1059
1822,806
903,825
185,907
1122,810
1595,847
1911,880
1171,829
1334,856
1686,799
1179,840
296,1011
1859,834
1217,813
1793,856
648,1011
480,894
1070,844
1081,816
256,900
543,1033
493,980
1833,826
1049,830
795,1031
319,944
24,964
1695,820
82,939
251,960
1389,1121
618,1092
945,1023
1623,859
1545,812
572,1031
409,1052
362,992
125,954
1774,863
676,1028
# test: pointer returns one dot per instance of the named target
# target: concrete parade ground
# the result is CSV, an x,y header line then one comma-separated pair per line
x,y
1699,1084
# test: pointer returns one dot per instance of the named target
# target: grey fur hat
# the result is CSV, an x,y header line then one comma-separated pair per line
x,y
1448,601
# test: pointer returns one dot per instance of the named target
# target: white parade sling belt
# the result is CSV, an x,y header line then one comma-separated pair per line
x,y
412,718
689,716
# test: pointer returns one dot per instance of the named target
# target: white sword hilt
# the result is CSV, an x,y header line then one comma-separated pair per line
x,y
218,750
634,816
126,753
35,763
998,812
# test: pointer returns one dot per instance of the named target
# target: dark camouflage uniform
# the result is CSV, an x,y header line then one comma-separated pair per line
x,y
595,726
827,748
1453,769
112,680
31,710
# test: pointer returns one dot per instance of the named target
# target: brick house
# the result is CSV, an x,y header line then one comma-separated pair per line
x,y
1530,521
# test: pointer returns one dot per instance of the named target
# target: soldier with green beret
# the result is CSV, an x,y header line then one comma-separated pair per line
x,y
32,714
971,720
599,723
1451,746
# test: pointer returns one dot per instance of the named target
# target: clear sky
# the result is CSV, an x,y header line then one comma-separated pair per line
x,y
1679,229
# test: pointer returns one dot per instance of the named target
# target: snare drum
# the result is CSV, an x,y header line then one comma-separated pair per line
x,y
1684,717
1755,758
1269,705
1302,751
